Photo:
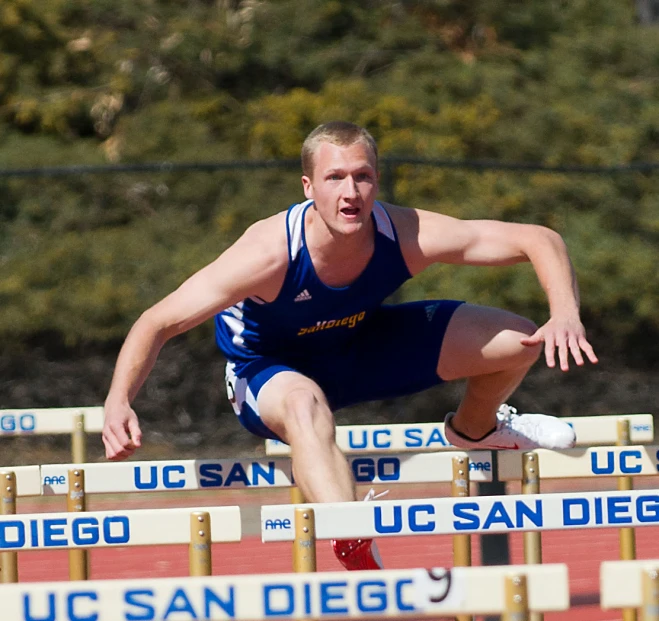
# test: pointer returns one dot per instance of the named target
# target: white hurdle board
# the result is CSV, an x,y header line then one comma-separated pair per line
x,y
584,462
28,479
48,421
94,529
402,593
423,437
466,516
621,582
152,476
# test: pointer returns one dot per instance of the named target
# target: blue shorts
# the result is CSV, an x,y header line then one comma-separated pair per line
x,y
394,354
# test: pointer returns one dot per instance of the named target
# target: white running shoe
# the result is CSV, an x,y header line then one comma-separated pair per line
x,y
517,431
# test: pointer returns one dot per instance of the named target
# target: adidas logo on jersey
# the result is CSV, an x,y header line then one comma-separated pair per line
x,y
302,296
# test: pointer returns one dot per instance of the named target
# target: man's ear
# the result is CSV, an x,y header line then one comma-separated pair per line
x,y
308,186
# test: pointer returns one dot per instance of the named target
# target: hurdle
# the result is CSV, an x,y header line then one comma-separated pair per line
x,y
448,516
631,584
137,527
621,461
54,421
429,437
413,593
207,474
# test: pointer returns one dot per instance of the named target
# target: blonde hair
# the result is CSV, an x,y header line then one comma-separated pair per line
x,y
340,133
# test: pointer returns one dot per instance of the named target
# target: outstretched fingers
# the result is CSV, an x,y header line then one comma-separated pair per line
x,y
562,341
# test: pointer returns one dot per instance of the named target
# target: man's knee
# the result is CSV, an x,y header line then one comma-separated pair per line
x,y
306,413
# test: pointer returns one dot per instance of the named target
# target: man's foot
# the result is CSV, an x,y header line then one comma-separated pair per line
x,y
357,554
517,431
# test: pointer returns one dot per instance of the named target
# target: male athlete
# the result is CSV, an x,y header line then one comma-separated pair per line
x,y
298,310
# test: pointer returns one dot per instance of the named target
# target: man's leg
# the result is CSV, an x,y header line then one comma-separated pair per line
x,y
295,408
482,344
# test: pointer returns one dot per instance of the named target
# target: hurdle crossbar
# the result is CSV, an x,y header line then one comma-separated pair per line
x,y
153,476
578,463
28,479
49,421
95,529
424,437
621,582
337,595
486,514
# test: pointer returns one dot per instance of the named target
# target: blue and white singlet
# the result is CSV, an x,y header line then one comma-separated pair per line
x,y
307,316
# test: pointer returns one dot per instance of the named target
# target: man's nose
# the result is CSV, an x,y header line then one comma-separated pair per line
x,y
350,189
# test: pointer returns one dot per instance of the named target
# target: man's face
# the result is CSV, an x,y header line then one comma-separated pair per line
x,y
343,186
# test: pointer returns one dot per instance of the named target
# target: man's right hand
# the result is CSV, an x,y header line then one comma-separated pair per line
x,y
121,432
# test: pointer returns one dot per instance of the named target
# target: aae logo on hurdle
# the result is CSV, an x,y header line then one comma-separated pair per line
x,y
529,512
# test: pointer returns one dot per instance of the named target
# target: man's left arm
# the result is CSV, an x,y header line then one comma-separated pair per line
x,y
428,238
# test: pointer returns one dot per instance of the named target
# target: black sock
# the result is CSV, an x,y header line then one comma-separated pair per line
x,y
464,437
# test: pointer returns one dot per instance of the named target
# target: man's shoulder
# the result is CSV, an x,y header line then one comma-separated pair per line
x,y
267,237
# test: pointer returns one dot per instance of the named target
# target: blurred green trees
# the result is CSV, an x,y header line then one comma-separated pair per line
x,y
553,83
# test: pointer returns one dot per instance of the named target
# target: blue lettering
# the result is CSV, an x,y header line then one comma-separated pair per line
x,y
579,520
599,518
52,529
151,484
8,423
497,515
400,604
123,536
522,510
70,605
413,438
480,465
285,610
27,422
624,468
180,603
372,596
8,527
355,445
384,443
210,475
468,513
228,606
428,525
614,508
326,597
84,531
647,509
237,473
133,598
27,609
436,437
608,469
166,478
364,469
259,472
277,523
395,527
60,480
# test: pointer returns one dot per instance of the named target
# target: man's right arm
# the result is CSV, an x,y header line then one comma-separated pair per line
x,y
254,265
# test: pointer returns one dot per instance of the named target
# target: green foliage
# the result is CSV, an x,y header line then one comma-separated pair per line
x,y
197,80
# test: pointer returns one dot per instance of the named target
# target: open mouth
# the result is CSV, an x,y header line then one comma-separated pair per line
x,y
350,212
